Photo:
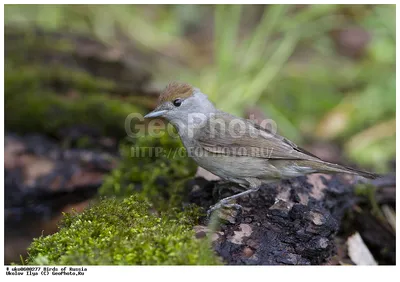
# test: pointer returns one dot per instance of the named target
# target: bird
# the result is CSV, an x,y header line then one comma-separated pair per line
x,y
236,149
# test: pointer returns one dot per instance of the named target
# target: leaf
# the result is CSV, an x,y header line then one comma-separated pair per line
x,y
358,251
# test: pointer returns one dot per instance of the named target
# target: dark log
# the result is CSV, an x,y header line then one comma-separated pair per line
x,y
291,222
42,179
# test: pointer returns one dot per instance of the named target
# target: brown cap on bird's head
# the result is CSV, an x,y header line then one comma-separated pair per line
x,y
175,90
172,96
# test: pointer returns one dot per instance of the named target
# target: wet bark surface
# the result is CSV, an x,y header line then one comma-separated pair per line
x,y
288,223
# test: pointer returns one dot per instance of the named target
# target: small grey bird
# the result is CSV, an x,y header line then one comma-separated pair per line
x,y
233,148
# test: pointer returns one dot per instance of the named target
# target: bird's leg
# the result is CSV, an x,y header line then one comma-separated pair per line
x,y
223,187
254,186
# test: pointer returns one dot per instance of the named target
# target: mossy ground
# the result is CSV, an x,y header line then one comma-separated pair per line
x,y
138,219
123,232
155,167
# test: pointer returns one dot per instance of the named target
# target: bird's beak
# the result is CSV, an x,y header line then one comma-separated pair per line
x,y
155,113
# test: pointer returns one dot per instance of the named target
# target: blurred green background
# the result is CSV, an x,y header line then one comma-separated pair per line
x,y
324,73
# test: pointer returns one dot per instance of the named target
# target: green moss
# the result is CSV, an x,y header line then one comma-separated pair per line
x,y
121,232
124,228
47,90
158,167
49,60
32,106
49,113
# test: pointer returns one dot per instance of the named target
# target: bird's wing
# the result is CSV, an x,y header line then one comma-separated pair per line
x,y
246,138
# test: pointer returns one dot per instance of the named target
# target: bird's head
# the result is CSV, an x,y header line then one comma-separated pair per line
x,y
179,101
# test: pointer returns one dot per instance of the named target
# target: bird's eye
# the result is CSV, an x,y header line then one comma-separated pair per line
x,y
177,102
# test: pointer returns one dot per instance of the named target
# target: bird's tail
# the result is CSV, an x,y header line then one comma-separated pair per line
x,y
330,167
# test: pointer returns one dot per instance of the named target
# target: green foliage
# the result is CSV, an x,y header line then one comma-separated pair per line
x,y
282,58
123,232
288,65
157,167
244,75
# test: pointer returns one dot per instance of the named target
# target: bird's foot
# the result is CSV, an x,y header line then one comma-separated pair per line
x,y
223,205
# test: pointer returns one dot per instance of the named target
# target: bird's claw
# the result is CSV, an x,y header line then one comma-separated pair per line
x,y
222,204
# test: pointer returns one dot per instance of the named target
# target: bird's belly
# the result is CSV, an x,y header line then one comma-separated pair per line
x,y
232,168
